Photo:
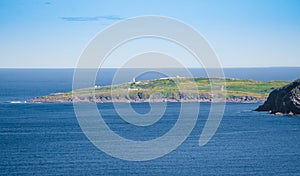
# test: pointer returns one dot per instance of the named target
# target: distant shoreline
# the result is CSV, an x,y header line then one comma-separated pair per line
x,y
167,90
237,100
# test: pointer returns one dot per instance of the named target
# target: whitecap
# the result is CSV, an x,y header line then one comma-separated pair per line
x,y
17,102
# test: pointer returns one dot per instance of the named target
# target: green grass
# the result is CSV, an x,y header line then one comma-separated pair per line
x,y
178,88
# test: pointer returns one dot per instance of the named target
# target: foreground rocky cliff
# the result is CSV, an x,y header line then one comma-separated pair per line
x,y
284,100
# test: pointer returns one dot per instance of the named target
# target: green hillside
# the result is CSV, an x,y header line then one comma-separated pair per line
x,y
189,89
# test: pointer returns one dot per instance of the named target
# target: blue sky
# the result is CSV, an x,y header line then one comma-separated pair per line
x,y
244,33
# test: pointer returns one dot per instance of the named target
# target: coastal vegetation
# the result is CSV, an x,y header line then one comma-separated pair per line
x,y
171,89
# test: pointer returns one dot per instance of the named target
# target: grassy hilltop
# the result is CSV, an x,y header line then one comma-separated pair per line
x,y
166,89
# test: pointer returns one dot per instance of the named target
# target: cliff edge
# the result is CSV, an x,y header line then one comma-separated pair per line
x,y
284,100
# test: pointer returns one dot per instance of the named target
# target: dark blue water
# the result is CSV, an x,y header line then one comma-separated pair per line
x,y
45,139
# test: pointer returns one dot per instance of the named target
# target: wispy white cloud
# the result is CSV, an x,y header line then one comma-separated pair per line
x,y
91,18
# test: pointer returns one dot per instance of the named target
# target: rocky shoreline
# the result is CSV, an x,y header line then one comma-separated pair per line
x,y
245,99
285,100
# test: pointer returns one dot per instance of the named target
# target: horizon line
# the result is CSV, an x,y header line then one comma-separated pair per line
x,y
147,67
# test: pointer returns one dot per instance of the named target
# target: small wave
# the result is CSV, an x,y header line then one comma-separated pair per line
x,y
17,102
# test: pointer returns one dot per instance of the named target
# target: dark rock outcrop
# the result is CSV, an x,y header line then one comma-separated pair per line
x,y
284,100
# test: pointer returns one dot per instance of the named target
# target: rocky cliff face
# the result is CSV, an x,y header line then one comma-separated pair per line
x,y
284,100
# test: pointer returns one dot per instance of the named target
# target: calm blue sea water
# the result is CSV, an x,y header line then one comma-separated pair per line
x,y
45,139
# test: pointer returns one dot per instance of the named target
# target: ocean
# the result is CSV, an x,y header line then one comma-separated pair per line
x,y
46,139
